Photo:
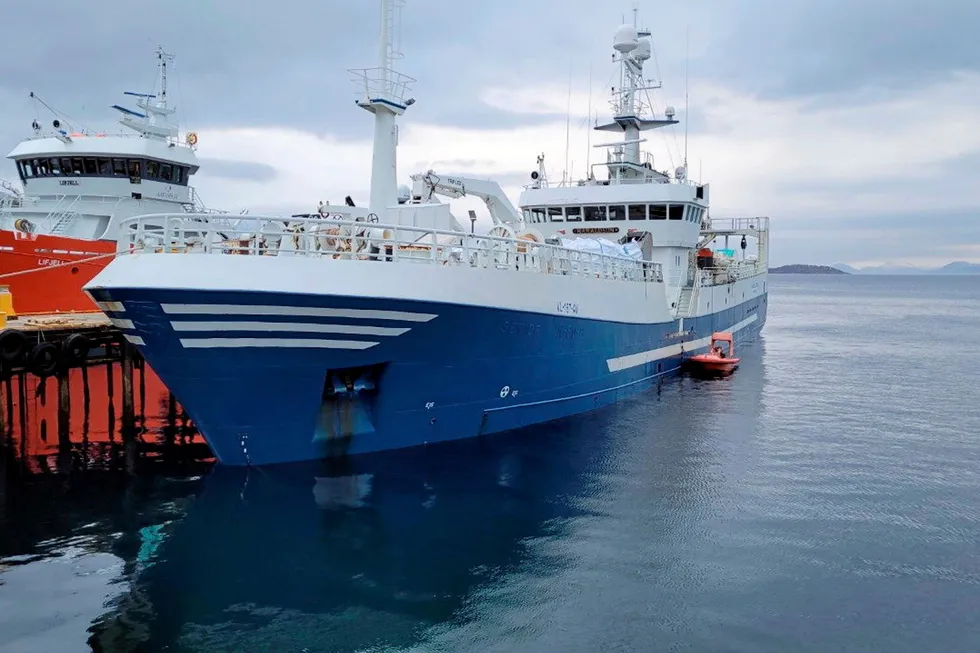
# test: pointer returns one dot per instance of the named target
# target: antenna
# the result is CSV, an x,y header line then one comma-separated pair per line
x,y
163,57
588,130
568,125
687,101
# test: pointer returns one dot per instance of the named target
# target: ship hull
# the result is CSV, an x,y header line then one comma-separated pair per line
x,y
46,273
258,370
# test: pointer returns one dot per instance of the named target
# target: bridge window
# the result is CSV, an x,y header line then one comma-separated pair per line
x,y
676,212
573,213
595,213
168,173
617,212
555,214
638,211
658,211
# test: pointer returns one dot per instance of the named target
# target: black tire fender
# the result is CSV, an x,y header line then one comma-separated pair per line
x,y
75,348
13,345
44,360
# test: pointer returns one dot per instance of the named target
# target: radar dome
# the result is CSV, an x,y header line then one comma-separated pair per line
x,y
670,112
404,193
643,49
625,39
681,172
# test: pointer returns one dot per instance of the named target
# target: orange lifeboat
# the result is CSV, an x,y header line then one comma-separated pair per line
x,y
720,357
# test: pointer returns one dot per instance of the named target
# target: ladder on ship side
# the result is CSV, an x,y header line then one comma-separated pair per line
x,y
687,302
62,218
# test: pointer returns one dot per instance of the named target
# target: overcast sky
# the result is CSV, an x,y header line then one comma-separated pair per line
x,y
854,125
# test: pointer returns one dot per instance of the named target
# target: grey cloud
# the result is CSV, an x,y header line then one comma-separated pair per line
x,y
247,170
860,237
844,48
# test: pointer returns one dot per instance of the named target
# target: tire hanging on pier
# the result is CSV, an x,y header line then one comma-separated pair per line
x,y
44,360
75,348
13,345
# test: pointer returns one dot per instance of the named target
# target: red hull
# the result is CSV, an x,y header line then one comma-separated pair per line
x,y
46,273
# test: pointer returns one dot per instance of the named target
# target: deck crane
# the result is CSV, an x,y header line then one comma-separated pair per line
x,y
425,185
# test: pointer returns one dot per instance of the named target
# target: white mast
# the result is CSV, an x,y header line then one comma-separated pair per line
x,y
633,49
384,95
153,122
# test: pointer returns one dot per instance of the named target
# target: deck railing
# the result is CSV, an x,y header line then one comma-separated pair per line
x,y
345,239
739,224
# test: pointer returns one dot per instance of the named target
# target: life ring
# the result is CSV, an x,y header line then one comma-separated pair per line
x,y
75,348
44,360
13,344
192,138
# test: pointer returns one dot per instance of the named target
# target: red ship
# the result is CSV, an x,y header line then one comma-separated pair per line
x,y
61,229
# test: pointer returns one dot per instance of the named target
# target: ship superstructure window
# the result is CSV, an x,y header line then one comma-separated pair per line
x,y
148,169
595,213
556,213
638,211
676,212
658,211
617,212
573,213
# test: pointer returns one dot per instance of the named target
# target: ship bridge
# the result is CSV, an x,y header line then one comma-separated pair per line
x,y
78,182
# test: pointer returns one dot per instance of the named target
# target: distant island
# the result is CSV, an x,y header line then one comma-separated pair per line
x,y
956,267
801,268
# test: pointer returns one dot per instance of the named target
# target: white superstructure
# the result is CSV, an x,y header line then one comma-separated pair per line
x,y
80,183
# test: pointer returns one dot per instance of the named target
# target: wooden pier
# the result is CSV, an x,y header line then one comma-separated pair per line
x,y
38,350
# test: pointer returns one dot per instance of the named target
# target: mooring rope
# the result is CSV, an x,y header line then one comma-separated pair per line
x,y
60,265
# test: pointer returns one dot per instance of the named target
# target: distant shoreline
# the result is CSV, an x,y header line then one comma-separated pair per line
x,y
801,268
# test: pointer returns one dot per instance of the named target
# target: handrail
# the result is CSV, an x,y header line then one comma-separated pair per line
x,y
758,224
369,241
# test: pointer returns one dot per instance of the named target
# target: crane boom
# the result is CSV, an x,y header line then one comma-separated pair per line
x,y
425,185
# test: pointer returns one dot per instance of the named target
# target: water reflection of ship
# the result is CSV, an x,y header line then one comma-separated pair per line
x,y
347,555
84,427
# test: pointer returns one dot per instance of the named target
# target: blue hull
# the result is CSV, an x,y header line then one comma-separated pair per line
x,y
469,371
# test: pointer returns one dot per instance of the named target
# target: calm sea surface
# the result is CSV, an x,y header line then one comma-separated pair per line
x,y
825,498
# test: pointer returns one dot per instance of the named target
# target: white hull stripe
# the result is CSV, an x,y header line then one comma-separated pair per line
x,y
644,357
294,327
111,307
293,311
292,343
121,324
136,340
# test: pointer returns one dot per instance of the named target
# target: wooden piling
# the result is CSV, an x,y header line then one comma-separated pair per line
x,y
129,422
64,409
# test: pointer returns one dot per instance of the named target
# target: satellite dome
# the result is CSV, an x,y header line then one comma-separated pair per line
x,y
643,50
404,193
625,39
